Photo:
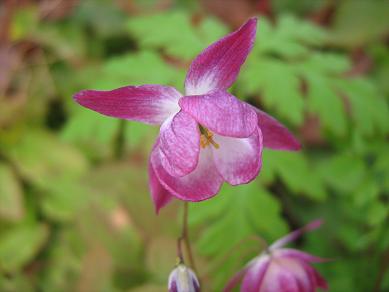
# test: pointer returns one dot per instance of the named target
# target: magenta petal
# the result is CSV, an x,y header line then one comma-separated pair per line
x,y
275,135
218,65
295,234
280,278
151,104
319,280
256,274
179,144
201,184
316,279
238,160
161,197
298,255
302,276
221,113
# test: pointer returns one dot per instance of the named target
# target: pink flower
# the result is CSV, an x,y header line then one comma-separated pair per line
x,y
281,269
207,136
183,279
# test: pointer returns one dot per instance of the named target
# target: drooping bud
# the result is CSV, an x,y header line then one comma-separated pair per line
x,y
281,269
183,279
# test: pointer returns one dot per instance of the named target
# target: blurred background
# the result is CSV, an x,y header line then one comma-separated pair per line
x,y
75,210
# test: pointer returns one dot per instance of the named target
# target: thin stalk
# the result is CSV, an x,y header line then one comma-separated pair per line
x,y
119,140
185,238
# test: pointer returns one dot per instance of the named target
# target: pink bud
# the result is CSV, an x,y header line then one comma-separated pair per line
x,y
183,279
281,269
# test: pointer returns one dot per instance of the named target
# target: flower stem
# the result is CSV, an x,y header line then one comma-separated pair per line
x,y
185,238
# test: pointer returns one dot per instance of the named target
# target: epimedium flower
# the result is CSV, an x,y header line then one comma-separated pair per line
x,y
183,279
281,269
207,136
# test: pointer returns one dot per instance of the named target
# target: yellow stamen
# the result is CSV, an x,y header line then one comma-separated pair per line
x,y
206,138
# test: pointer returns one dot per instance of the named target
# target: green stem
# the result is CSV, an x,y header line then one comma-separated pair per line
x,y
119,140
185,238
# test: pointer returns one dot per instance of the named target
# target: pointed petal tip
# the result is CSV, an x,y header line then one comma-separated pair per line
x,y
77,96
296,234
218,65
313,225
295,145
253,20
149,103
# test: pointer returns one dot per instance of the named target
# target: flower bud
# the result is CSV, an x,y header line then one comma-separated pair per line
x,y
281,269
183,279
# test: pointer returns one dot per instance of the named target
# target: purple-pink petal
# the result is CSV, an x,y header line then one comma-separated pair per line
x,y
202,183
179,144
285,275
299,255
238,160
222,113
256,273
160,196
151,104
275,135
218,65
316,279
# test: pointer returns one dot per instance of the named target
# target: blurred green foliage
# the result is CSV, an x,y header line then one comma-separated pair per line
x,y
75,212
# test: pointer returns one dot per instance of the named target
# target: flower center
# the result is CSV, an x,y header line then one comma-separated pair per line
x,y
206,138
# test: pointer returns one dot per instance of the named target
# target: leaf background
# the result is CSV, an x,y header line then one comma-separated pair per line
x,y
75,210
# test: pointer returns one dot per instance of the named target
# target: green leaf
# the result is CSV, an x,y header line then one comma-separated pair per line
x,y
289,27
289,38
359,22
64,260
11,195
19,245
145,67
41,157
159,31
343,171
296,172
327,104
24,22
91,129
236,213
325,63
63,199
370,111
377,213
279,85
102,16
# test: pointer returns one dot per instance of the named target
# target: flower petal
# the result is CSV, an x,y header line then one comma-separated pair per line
x,y
151,104
179,144
299,255
315,277
256,273
238,160
295,234
275,135
278,278
218,65
201,184
161,197
221,113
